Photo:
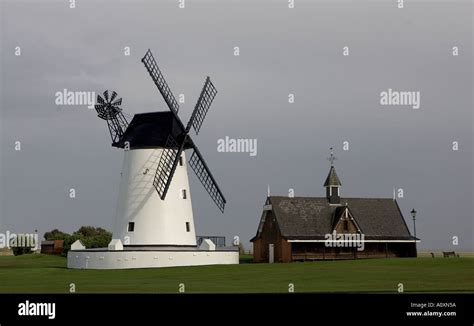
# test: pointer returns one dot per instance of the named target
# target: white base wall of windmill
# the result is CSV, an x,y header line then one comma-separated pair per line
x,y
155,221
128,259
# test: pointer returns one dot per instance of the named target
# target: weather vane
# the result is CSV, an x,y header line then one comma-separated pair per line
x,y
332,158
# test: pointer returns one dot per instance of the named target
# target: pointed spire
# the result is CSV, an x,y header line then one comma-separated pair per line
x,y
332,178
332,183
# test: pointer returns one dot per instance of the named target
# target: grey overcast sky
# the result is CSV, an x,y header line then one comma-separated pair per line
x,y
282,51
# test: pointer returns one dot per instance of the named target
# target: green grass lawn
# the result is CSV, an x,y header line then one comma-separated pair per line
x,y
48,274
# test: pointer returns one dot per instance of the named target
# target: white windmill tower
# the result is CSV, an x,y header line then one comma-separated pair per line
x,y
154,208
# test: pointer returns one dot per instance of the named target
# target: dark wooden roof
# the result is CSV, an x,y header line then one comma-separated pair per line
x,y
332,178
307,218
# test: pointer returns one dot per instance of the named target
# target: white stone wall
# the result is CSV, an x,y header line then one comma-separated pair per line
x,y
148,259
157,222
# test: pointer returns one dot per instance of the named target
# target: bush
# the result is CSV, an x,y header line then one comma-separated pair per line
x,y
68,241
56,235
21,250
91,237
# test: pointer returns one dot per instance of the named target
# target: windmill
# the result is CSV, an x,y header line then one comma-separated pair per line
x,y
154,206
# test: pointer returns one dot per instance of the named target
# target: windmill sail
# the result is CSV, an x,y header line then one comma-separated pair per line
x,y
166,166
172,149
160,82
203,104
201,170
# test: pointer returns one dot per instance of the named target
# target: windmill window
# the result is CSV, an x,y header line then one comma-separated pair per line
x,y
183,193
188,227
131,226
180,161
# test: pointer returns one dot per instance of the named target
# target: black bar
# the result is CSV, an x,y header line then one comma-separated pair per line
x,y
290,306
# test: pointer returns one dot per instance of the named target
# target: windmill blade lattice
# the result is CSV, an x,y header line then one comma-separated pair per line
x,y
203,104
160,82
166,166
204,175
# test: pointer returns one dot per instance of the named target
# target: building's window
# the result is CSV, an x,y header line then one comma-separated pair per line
x,y
345,225
180,161
188,227
131,226
183,193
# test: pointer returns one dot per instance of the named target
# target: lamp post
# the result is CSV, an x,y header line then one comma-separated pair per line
x,y
413,214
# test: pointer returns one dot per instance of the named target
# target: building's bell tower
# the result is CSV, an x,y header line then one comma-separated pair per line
x,y
332,183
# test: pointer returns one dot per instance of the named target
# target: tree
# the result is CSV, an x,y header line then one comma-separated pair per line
x,y
93,237
56,235
90,231
90,236
21,244
68,242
